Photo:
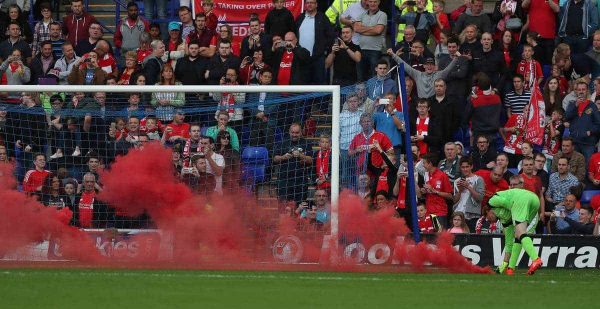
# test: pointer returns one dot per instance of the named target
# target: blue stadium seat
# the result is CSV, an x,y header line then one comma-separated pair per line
x,y
515,171
587,195
255,161
245,136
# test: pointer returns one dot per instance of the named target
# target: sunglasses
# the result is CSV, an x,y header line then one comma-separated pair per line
x,y
225,137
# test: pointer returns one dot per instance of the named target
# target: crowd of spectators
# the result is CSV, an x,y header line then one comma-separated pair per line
x,y
469,78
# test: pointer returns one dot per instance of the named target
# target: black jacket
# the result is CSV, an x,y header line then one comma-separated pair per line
x,y
37,69
191,72
324,34
102,216
301,59
279,22
217,68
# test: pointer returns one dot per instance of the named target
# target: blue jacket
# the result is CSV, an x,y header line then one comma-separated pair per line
x,y
377,88
589,22
579,125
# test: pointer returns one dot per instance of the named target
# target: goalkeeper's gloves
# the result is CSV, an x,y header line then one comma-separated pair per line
x,y
502,267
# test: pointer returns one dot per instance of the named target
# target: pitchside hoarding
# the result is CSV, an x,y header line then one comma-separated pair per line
x,y
483,250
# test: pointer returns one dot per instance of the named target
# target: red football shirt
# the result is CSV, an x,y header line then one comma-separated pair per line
x,y
434,203
34,179
285,68
594,166
533,184
86,209
542,19
490,187
182,130
361,140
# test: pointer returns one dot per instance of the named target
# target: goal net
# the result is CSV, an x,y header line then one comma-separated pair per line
x,y
118,157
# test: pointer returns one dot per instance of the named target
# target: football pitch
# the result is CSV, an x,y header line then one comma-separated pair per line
x,y
118,288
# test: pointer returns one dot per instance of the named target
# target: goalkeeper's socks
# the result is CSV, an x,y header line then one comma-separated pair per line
x,y
528,246
514,255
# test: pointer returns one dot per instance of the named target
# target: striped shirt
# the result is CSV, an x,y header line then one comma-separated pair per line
x,y
559,188
517,102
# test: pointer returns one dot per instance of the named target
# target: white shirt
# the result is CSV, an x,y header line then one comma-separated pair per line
x,y
307,33
220,162
354,11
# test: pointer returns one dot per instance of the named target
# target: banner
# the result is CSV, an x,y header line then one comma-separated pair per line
x,y
236,13
536,118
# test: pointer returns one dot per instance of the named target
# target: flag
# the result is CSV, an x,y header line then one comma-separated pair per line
x,y
536,118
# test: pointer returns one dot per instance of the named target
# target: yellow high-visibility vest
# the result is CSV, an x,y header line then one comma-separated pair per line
x,y
338,7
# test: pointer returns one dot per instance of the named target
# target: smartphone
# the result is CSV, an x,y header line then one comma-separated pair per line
x,y
113,125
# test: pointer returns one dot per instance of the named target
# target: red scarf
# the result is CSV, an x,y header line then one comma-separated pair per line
x,y
227,101
382,183
186,152
322,166
422,128
582,106
552,145
402,193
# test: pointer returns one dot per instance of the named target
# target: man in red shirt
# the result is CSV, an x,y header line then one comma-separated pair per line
x,y
178,129
363,143
437,189
88,211
494,182
594,171
34,179
292,60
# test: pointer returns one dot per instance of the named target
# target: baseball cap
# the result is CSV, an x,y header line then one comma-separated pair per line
x,y
174,26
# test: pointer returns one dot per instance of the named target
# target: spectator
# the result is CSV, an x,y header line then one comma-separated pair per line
x,y
43,63
344,58
220,63
145,50
166,102
15,71
412,50
485,156
508,46
428,224
291,61
88,43
584,119
66,63
575,33
442,23
152,65
502,162
88,73
553,96
351,14
349,127
55,37
542,19
322,161
315,34
459,224
15,15
187,24
469,41
584,225
493,182
128,138
105,58
88,211
436,189
130,69
533,183
202,35
427,133
483,108
52,193
279,20
444,110
251,67
155,32
390,122
134,108
469,191
576,159
594,171
14,41
174,46
293,156
178,130
560,183
197,178
475,17
516,100
379,86
422,20
553,132
225,34
362,145
564,211
129,29
460,10
450,164
457,79
255,40
488,223
231,172
211,17
161,13
320,212
41,30
539,164
222,121
34,179
190,69
489,61
215,162
530,69
424,80
371,28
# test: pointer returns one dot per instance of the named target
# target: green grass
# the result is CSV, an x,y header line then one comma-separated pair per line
x,y
95,288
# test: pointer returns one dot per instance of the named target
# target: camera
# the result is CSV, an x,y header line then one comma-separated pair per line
x,y
249,59
288,46
298,149
227,79
87,60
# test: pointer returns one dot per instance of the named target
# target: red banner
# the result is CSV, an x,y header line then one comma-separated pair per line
x,y
236,13
536,118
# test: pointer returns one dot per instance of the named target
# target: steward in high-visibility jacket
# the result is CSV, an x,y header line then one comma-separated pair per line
x,y
336,9
398,3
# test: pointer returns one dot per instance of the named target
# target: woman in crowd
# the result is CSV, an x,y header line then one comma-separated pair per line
x,y
131,67
165,102
552,95
53,192
251,67
16,15
225,32
231,173
174,45
15,72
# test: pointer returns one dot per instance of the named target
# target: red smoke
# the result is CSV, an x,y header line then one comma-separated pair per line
x,y
230,231
24,221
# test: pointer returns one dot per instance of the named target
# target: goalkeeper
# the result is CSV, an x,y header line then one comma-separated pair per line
x,y
517,209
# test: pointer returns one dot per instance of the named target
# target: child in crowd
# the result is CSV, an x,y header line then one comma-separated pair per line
x,y
553,132
488,223
530,69
427,223
459,224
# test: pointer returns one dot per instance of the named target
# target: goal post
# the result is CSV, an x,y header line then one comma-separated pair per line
x,y
329,95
